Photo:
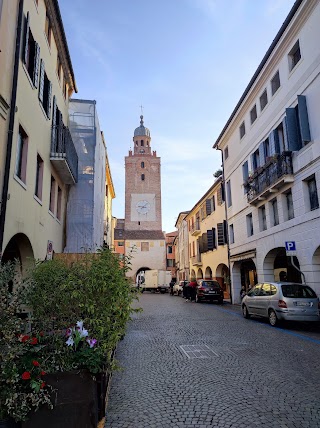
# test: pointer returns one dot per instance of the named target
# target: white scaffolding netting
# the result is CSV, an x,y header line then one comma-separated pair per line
x,y
85,208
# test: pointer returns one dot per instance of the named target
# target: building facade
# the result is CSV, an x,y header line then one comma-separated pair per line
x,y
42,159
171,254
182,247
144,239
109,220
208,249
271,153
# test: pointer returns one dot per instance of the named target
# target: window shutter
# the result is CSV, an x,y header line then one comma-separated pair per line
x,y
222,192
200,244
245,171
213,203
54,123
208,206
221,238
253,162
261,154
36,64
210,239
225,231
214,237
49,99
205,242
41,83
292,130
303,119
285,135
274,142
26,39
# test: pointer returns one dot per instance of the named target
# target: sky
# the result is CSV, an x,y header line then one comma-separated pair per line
x,y
187,62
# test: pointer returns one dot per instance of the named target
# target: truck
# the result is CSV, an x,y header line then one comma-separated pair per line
x,y
156,280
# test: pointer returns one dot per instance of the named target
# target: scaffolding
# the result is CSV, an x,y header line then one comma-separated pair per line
x,y
85,208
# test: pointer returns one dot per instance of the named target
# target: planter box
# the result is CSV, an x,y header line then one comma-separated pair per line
x,y
77,398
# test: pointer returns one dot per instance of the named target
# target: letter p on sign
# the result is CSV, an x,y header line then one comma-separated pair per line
x,y
290,248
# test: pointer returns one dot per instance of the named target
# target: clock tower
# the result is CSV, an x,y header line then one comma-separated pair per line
x,y
143,224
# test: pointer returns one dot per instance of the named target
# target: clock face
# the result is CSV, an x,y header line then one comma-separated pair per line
x,y
143,207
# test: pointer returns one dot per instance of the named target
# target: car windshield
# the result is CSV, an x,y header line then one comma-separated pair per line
x,y
207,284
298,291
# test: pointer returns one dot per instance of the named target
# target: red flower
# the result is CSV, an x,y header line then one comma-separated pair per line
x,y
25,338
34,341
35,363
42,385
43,373
26,375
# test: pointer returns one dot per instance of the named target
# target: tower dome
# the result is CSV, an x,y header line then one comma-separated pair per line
x,y
141,130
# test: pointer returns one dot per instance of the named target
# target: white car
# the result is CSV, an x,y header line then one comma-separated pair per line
x,y
178,287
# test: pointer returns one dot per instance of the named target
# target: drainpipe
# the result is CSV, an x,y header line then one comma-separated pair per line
x,y
227,228
5,187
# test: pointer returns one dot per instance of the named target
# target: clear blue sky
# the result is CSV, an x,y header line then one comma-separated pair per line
x,y
186,61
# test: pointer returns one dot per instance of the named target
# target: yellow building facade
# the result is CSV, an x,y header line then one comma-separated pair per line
x,y
43,161
208,249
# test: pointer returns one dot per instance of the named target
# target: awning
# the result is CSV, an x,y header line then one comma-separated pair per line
x,y
246,255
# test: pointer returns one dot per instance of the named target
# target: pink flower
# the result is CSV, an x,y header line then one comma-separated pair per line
x,y
91,342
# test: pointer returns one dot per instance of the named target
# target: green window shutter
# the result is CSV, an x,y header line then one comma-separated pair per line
x,y
210,239
26,38
53,126
205,242
36,64
49,99
41,83
303,119
221,237
294,142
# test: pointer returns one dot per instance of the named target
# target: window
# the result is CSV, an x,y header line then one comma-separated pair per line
x,y
294,55
211,237
263,100
255,160
22,151
210,205
39,178
142,143
313,194
169,248
253,114
280,136
220,194
231,234
266,148
289,205
120,243
222,235
142,164
142,177
226,153
144,246
245,172
48,29
262,218
274,212
58,67
242,130
52,194
275,83
170,262
249,225
297,125
229,198
31,53
59,203
45,90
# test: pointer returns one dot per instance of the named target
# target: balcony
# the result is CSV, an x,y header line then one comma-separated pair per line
x,y
63,154
269,178
195,228
196,260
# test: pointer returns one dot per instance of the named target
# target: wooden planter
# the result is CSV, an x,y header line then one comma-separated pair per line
x,y
79,402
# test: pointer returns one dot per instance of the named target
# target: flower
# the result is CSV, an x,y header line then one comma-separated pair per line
x,y
70,341
43,384
26,375
23,338
35,363
34,341
91,342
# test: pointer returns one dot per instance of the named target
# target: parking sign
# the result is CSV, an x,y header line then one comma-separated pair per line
x,y
290,248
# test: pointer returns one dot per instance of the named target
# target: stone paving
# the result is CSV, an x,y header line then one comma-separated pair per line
x,y
203,365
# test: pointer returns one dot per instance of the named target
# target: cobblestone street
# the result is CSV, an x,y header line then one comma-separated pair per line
x,y
203,365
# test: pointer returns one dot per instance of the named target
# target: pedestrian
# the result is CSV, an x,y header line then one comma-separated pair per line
x,y
242,292
171,287
185,290
192,290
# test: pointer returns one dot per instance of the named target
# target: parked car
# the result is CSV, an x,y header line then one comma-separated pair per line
x,y
279,301
209,289
178,287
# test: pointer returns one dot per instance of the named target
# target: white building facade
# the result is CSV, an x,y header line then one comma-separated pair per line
x,y
271,157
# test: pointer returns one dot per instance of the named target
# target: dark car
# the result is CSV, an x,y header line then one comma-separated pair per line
x,y
208,289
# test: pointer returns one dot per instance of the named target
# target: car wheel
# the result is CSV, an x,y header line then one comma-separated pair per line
x,y
245,312
273,320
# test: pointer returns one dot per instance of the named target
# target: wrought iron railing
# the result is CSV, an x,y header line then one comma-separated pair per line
x,y
62,147
267,175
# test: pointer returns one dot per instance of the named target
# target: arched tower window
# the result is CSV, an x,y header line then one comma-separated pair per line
x,y
142,143
136,143
142,164
142,177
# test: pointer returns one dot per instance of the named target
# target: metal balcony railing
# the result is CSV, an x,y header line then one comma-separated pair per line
x,y
63,154
269,178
